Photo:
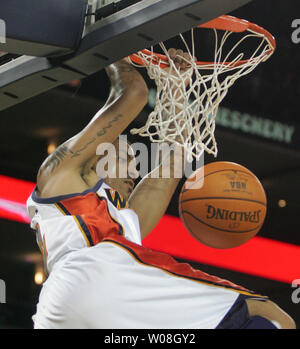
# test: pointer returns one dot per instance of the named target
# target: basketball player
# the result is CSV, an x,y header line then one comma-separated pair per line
x,y
90,231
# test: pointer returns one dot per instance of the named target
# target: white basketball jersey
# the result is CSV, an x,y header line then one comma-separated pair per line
x,y
82,220
100,275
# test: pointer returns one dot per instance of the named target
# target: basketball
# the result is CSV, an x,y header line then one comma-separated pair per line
x,y
222,205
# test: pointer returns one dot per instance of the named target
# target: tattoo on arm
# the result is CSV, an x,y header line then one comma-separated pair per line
x,y
79,151
56,158
110,125
59,155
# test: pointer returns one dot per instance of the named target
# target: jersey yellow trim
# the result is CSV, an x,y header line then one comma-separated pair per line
x,y
60,209
82,231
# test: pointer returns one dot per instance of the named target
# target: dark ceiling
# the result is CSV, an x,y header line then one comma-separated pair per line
x,y
271,92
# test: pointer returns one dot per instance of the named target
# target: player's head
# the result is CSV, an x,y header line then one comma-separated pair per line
x,y
119,167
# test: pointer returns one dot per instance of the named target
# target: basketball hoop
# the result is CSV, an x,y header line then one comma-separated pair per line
x,y
186,115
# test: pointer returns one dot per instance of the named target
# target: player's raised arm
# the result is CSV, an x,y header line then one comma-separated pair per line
x,y
152,196
128,96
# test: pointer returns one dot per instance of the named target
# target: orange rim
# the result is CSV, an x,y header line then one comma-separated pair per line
x,y
226,23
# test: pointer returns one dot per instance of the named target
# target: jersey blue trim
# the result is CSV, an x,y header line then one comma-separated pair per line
x,y
56,199
85,230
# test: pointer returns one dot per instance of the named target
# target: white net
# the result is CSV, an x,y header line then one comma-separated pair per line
x,y
187,103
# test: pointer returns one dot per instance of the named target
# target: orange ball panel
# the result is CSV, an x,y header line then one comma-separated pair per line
x,y
227,210
221,240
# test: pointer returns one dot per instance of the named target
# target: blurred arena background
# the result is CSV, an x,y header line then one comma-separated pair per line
x,y
258,127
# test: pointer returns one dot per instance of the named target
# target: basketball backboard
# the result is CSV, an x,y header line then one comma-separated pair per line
x,y
109,39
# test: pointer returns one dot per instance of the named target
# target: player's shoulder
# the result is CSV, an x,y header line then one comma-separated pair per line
x,y
60,183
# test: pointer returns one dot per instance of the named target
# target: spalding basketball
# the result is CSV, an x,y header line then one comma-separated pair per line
x,y
223,205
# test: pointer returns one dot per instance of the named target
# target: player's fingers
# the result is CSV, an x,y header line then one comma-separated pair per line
x,y
187,57
186,61
172,53
179,57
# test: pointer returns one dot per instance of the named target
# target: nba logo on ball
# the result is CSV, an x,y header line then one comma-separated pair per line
x,y
227,210
2,32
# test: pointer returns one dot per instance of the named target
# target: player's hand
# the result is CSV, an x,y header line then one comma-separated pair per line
x,y
182,60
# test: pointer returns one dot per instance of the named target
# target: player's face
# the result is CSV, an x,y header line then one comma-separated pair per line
x,y
124,164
